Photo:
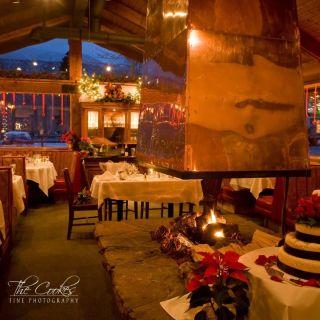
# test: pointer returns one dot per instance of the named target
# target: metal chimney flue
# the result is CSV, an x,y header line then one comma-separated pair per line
x,y
222,90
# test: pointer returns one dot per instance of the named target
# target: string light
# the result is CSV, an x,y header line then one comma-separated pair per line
x,y
90,87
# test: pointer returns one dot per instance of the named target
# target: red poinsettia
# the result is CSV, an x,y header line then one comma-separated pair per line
x,y
217,266
308,208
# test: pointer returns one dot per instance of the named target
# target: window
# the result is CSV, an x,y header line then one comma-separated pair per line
x,y
38,119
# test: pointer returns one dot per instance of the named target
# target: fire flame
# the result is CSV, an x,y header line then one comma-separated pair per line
x,y
213,218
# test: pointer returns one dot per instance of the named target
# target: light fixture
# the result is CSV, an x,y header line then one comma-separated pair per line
x,y
108,68
19,69
35,63
193,38
16,1
53,68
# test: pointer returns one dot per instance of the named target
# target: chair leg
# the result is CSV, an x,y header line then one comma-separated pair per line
x,y
162,209
70,224
110,209
180,209
105,210
191,207
136,210
142,210
100,213
127,209
147,210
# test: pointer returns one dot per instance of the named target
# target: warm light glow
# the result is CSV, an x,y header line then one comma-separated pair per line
x,y
35,63
19,69
171,14
108,68
213,218
93,119
193,38
134,120
11,106
150,171
219,234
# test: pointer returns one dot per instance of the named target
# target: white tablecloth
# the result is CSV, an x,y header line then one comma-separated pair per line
x,y
255,185
270,300
278,301
18,194
43,173
2,222
167,190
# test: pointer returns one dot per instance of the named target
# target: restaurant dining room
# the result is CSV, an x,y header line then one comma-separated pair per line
x,y
160,159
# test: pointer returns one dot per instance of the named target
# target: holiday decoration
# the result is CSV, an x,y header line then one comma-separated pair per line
x,y
114,93
89,86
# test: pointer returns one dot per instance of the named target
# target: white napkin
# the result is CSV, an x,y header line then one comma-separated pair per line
x,y
107,176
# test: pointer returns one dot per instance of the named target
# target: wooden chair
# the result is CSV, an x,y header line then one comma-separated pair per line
x,y
6,197
60,187
75,205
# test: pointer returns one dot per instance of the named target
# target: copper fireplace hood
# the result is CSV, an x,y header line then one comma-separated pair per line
x,y
222,91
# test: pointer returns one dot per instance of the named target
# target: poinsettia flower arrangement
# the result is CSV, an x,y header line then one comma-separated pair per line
x,y
308,210
71,139
114,93
219,284
85,143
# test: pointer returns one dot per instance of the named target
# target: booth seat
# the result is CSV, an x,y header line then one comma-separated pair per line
x,y
61,157
270,207
242,200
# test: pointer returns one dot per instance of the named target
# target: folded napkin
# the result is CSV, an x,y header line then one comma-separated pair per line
x,y
107,176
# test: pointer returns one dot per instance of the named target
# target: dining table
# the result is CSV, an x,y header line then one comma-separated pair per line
x,y
255,185
19,194
278,300
158,188
43,173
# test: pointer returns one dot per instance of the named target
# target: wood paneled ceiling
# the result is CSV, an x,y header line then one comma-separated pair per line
x,y
117,16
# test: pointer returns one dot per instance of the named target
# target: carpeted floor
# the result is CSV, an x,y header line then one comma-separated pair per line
x,y
41,249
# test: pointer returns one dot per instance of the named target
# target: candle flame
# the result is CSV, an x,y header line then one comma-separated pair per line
x,y
219,234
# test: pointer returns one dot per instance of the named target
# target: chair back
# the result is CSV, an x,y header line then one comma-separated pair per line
x,y
76,172
69,186
278,199
6,197
20,163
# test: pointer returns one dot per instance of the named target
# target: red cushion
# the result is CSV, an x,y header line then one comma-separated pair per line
x,y
59,183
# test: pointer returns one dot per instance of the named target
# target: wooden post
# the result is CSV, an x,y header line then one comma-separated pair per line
x,y
75,74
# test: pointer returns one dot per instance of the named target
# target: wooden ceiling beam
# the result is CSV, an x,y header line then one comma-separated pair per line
x,y
139,6
127,51
123,23
127,13
115,29
26,30
78,12
310,44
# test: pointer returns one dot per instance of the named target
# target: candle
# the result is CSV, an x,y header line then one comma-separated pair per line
x,y
219,234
